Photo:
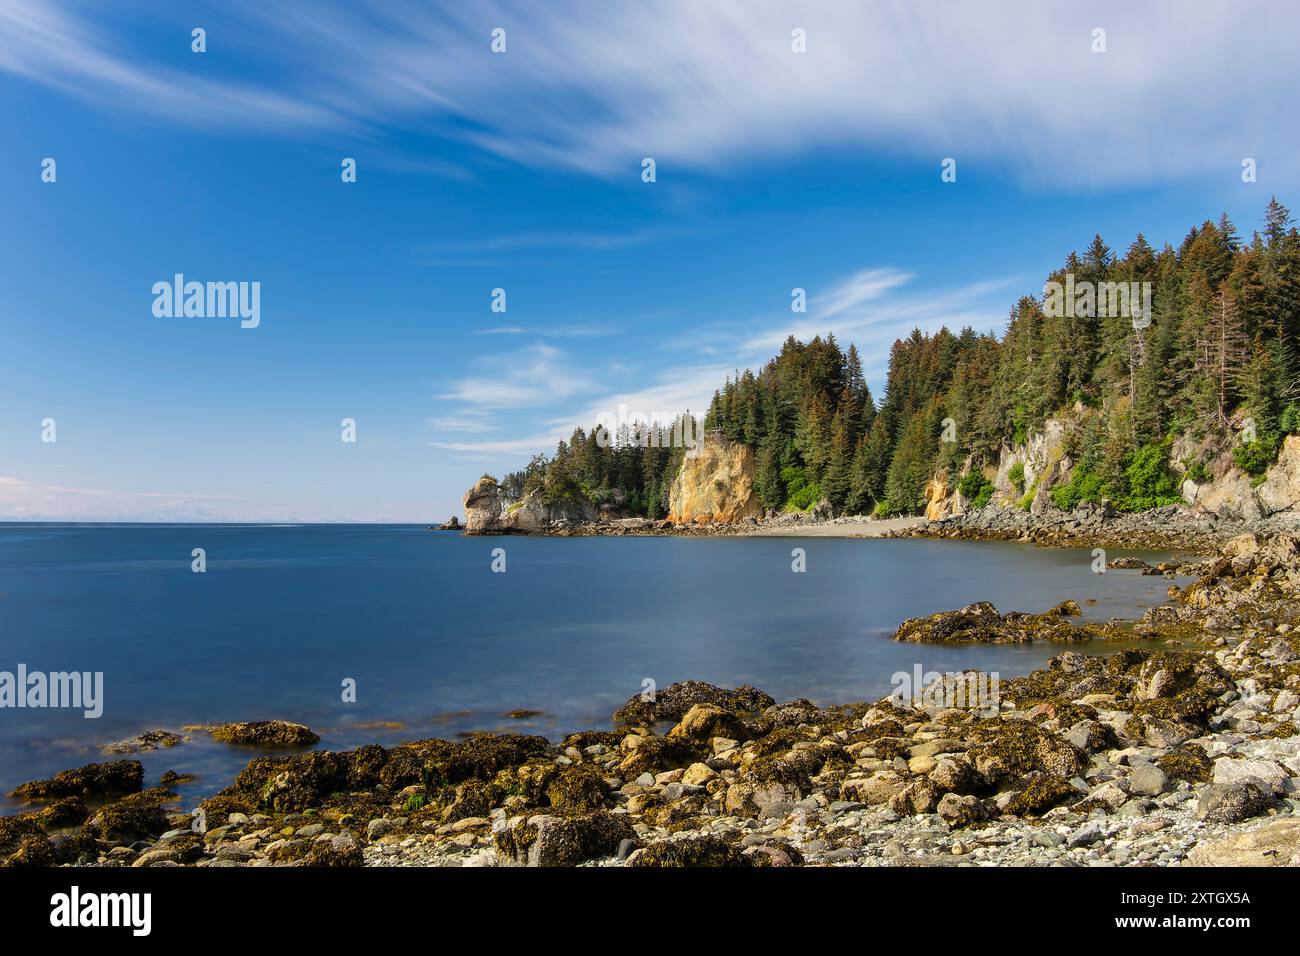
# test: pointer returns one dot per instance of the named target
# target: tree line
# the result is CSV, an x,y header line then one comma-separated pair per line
x,y
1214,360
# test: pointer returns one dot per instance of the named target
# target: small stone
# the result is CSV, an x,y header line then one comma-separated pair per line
x,y
1086,835
1147,779
698,774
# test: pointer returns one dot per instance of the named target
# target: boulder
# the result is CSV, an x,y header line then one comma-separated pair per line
x,y
1231,802
545,840
762,798
137,817
1273,844
975,623
1270,777
880,787
149,740
703,722
94,779
266,733
693,852
961,810
1147,779
341,850
674,701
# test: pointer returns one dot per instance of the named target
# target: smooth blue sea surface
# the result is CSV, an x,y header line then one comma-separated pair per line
x,y
438,642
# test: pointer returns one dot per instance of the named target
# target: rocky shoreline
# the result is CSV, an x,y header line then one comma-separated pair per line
x,y
1171,527
1182,752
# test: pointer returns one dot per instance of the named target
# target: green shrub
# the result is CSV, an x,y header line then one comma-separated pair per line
x,y
976,489
1084,485
883,509
793,478
1150,482
1290,420
1017,477
1254,457
804,498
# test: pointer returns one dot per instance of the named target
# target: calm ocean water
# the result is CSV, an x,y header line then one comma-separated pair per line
x,y
438,642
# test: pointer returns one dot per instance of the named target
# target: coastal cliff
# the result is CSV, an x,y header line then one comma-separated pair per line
x,y
1037,475
488,512
715,484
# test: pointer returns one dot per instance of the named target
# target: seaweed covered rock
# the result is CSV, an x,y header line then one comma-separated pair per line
x,y
974,623
1188,762
480,757
1006,750
65,812
292,783
980,623
178,850
961,810
214,811
1038,792
139,816
340,850
1180,686
794,712
658,754
94,779
674,701
33,850
1232,802
149,740
703,722
705,851
547,840
266,733
577,789
472,798
17,830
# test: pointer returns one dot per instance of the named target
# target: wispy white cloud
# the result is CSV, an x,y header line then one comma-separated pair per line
x,y
553,331
574,240
596,86
870,308
517,384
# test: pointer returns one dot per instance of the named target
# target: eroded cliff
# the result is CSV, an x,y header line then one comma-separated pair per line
x,y
715,484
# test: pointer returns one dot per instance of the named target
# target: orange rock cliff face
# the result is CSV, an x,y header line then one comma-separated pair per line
x,y
715,484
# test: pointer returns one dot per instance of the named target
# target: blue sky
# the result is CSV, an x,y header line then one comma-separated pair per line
x,y
522,171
